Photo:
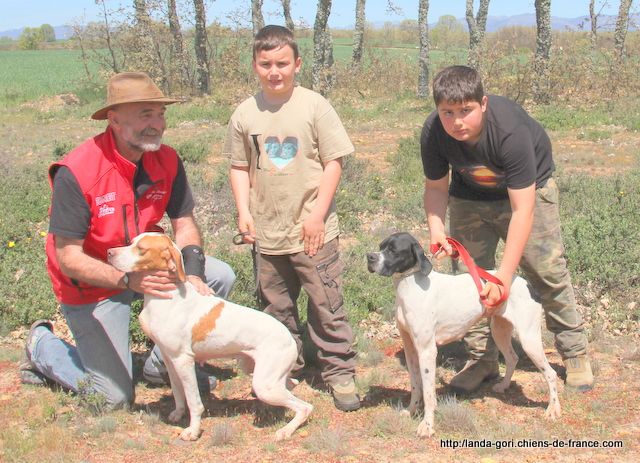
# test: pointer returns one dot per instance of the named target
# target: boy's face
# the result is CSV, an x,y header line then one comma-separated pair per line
x,y
276,69
463,121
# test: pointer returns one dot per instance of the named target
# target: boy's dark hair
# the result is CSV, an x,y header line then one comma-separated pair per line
x,y
271,37
457,84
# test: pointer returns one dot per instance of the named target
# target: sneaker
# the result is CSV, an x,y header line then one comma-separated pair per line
x,y
206,382
474,373
29,374
345,396
579,374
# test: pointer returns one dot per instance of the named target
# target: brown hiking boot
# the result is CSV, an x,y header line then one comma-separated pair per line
x,y
345,396
474,373
579,374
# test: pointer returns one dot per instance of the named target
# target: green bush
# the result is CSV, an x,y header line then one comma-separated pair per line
x,y
600,228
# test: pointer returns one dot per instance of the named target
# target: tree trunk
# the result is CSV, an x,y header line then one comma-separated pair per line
x,y
358,35
423,61
622,25
541,84
286,10
322,52
140,9
477,29
181,65
256,15
593,18
200,44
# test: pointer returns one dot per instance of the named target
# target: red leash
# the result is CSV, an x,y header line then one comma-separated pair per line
x,y
477,273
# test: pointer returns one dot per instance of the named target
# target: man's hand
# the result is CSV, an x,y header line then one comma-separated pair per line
x,y
155,283
440,247
200,285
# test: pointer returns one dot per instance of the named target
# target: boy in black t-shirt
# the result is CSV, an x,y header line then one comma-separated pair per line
x,y
501,188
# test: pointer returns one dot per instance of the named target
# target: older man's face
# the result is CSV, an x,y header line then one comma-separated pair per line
x,y
138,127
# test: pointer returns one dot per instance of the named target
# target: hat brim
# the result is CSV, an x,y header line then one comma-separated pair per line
x,y
101,114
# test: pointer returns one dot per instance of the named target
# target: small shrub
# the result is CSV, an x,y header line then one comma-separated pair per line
x,y
390,423
453,417
332,441
223,434
193,152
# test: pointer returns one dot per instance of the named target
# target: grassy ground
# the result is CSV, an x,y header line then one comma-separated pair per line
x,y
381,192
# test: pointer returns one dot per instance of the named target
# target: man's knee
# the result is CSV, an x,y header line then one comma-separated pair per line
x,y
220,276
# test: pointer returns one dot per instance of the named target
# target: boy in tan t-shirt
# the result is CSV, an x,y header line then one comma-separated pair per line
x,y
286,145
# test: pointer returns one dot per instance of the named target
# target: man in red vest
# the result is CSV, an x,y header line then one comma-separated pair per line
x,y
108,190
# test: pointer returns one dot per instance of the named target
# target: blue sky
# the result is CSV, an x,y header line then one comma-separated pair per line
x,y
33,13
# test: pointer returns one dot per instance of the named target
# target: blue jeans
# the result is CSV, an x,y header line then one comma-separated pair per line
x,y
101,360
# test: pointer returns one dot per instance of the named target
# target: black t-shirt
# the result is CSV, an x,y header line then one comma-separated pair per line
x,y
70,213
513,151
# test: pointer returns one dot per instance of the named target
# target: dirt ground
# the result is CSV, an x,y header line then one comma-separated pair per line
x,y
41,424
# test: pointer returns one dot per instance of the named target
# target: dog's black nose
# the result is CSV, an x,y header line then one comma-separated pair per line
x,y
371,257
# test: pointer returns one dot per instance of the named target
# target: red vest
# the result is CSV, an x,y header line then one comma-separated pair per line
x,y
106,181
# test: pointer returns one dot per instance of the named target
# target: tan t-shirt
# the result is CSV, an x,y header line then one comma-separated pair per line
x,y
286,147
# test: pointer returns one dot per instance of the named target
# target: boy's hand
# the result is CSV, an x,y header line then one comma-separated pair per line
x,y
491,294
312,235
440,247
247,227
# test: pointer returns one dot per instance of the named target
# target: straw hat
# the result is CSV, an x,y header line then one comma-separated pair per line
x,y
131,87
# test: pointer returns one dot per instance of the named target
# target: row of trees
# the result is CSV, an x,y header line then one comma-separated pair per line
x,y
150,37
32,37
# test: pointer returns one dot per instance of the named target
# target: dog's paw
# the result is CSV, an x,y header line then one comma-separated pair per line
x,y
501,386
283,434
425,429
176,415
190,433
553,411
405,412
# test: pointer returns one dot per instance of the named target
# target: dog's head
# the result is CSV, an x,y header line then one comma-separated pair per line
x,y
398,253
148,251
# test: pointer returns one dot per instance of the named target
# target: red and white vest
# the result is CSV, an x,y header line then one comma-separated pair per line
x,y
106,181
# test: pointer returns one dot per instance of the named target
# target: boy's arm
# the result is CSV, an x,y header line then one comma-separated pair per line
x,y
313,227
240,185
522,206
436,198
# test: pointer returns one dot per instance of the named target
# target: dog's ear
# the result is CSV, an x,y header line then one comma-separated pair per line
x,y
425,264
176,257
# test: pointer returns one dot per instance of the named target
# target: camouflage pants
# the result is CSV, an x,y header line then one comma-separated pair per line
x,y
479,225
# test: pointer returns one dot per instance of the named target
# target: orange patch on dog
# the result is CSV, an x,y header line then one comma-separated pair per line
x,y
206,324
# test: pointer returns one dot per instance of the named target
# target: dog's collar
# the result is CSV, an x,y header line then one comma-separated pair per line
x,y
407,273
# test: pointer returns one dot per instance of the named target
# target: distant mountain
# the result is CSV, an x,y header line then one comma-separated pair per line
x,y
494,23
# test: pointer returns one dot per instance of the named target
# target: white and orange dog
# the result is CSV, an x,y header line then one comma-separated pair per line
x,y
191,328
434,309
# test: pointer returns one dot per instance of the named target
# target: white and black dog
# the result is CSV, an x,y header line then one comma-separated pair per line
x,y
434,309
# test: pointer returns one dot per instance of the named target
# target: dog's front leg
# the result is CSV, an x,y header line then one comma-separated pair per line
x,y
176,389
427,356
186,374
413,365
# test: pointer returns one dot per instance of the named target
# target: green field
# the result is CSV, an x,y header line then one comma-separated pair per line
x,y
29,75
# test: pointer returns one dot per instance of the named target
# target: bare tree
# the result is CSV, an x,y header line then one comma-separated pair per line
x,y
180,59
358,34
108,37
423,61
322,49
622,25
477,29
286,10
140,12
256,15
593,18
541,90
200,44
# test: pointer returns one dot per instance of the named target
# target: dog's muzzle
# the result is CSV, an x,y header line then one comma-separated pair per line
x,y
374,261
